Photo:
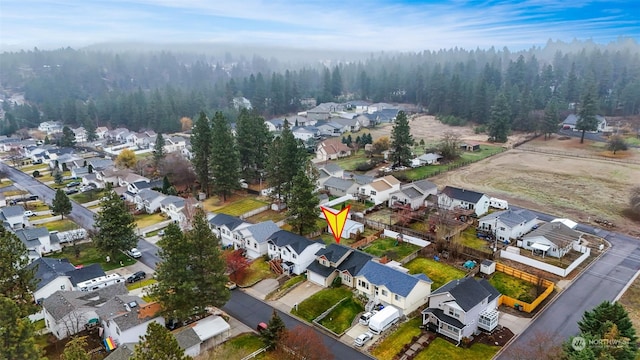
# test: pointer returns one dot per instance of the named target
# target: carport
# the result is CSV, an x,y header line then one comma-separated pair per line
x,y
542,247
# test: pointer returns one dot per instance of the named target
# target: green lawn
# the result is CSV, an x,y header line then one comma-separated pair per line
x,y
424,172
242,206
392,344
237,347
272,215
144,220
319,302
61,225
391,248
29,169
513,287
258,270
36,206
139,284
349,163
438,272
88,196
442,349
469,238
89,254
5,183
341,318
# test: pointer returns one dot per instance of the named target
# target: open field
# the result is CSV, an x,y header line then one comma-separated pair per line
x,y
631,302
579,188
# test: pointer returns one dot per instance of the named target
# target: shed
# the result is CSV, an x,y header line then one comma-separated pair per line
x,y
487,267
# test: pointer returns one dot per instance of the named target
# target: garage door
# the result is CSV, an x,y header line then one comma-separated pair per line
x,y
315,278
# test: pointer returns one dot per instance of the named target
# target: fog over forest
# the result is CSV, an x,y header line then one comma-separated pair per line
x,y
151,86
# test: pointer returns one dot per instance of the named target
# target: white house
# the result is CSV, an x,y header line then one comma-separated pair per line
x,y
125,318
37,241
553,239
14,217
51,276
224,226
81,135
508,224
452,197
337,260
174,143
304,133
149,200
296,252
203,334
379,190
426,159
101,132
332,149
172,206
414,194
459,308
253,238
50,127
385,285
572,120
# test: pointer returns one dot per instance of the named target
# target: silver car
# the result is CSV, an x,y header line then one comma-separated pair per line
x,y
134,253
363,338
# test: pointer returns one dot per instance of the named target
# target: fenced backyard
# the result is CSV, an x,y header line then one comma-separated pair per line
x,y
533,279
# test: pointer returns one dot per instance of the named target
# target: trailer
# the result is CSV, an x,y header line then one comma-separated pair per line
x,y
498,203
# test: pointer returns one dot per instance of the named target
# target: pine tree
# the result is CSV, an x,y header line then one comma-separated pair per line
x,y
158,344
192,272
401,141
550,123
499,122
75,349
594,321
18,279
293,159
274,331
116,226
201,149
17,339
276,168
58,178
90,128
302,206
336,82
68,138
252,138
225,167
587,120
61,205
158,151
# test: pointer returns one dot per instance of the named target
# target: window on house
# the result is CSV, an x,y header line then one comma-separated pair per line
x,y
373,192
528,243
346,278
61,287
118,330
502,228
451,311
384,292
397,297
294,256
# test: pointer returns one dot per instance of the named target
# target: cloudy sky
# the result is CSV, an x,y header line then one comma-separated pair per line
x,y
407,25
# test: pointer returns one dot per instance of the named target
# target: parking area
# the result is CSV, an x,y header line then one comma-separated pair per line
x,y
299,294
515,323
353,333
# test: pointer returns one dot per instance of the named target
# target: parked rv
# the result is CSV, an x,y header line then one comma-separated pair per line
x,y
384,319
498,203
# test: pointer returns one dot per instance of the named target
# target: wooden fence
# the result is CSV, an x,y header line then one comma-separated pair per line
x,y
515,303
570,154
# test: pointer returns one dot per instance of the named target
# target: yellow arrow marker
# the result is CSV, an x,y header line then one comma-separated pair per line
x,y
336,221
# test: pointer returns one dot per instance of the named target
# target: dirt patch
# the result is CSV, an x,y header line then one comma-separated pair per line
x,y
95,347
498,337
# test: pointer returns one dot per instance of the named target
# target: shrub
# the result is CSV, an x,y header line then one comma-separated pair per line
x,y
364,166
480,129
337,282
452,120
36,174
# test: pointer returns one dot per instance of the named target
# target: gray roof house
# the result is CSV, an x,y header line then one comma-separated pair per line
x,y
296,252
149,200
125,317
508,224
51,276
460,307
253,238
224,225
36,240
337,260
572,120
414,194
553,239
452,197
339,187
13,216
389,286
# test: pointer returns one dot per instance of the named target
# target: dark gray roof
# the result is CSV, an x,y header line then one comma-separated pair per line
x,y
172,199
149,195
338,183
187,338
122,352
359,179
262,231
10,211
396,281
85,273
48,269
556,232
493,291
462,194
467,292
354,262
487,262
320,269
424,185
62,303
439,313
331,168
333,252
572,119
411,192
298,243
511,217
229,221
30,236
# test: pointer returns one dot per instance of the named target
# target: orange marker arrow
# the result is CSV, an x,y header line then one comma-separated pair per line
x,y
336,221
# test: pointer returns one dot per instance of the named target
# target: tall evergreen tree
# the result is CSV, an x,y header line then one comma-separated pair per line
x,y
225,167
116,226
90,128
587,120
401,141
18,280
276,174
68,138
336,82
158,344
302,206
192,272
500,119
294,156
201,149
253,138
61,205
275,330
75,349
159,152
551,119
17,340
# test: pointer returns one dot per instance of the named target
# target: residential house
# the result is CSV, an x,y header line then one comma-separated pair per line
x,y
240,102
347,124
340,187
508,224
470,146
461,308
332,149
274,124
174,144
324,110
384,116
81,134
305,133
125,318
64,162
365,120
203,335
187,152
149,200
572,120
373,108
224,227
36,240
414,194
337,260
172,206
350,228
50,127
253,238
452,197
554,239
379,190
296,252
300,121
13,217
137,186
101,132
51,276
359,106
127,178
66,312
386,285
92,277
426,159
330,128
327,170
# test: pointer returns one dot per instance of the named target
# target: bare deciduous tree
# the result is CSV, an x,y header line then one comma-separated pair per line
x,y
539,346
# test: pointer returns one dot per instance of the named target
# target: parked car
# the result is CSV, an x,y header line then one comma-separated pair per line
x,y
29,213
71,191
73,184
134,253
363,338
137,276
231,285
364,318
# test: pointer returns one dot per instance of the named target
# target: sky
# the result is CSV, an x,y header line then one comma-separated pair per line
x,y
365,25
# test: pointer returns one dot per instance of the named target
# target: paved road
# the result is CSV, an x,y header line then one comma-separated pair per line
x,y
602,280
251,311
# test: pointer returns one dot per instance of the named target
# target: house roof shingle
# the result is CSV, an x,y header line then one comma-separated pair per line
x,y
339,183
187,338
467,292
62,303
284,238
261,231
85,273
511,217
48,269
462,194
556,232
11,211
396,281
229,221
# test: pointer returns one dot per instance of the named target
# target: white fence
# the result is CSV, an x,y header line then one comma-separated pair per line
x,y
254,212
339,200
410,239
548,267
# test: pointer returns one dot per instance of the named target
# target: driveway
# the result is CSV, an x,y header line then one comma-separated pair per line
x,y
297,295
514,323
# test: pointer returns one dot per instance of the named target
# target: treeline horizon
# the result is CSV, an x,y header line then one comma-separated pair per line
x,y
153,90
